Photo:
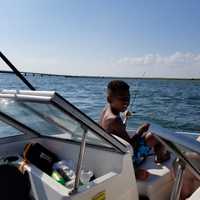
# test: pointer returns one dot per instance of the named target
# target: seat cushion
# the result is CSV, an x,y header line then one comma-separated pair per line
x,y
159,180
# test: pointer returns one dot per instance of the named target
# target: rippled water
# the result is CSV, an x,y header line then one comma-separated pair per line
x,y
173,104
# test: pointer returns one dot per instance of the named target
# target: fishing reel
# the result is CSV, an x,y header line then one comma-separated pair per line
x,y
126,115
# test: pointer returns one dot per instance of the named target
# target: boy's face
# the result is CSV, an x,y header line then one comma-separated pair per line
x,y
120,102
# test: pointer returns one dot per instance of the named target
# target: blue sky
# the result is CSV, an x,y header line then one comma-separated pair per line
x,y
103,37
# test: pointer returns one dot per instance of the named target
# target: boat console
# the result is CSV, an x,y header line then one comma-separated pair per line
x,y
110,170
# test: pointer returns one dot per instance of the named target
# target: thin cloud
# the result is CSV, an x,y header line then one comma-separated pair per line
x,y
176,59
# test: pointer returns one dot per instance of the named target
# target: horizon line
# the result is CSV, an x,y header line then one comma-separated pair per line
x,y
96,76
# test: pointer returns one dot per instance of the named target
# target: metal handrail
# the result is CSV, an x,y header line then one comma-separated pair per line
x,y
80,161
176,189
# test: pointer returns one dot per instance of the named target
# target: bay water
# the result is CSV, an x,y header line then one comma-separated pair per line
x,y
174,104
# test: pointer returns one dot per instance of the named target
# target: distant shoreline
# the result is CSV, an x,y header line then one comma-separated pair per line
x,y
105,77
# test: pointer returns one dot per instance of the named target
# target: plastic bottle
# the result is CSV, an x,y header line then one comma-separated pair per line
x,y
85,176
56,176
65,171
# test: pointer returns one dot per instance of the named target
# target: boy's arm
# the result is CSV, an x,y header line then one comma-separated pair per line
x,y
115,126
142,129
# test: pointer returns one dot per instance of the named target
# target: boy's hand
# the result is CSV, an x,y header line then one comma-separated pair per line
x,y
128,113
143,128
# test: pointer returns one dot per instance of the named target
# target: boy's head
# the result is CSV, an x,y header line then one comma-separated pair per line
x,y
118,95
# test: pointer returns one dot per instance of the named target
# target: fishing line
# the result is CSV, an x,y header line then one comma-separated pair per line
x,y
129,112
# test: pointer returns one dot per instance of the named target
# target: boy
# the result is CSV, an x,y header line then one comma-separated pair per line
x,y
118,98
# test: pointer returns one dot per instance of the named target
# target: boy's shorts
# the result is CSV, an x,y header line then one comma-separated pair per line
x,y
141,151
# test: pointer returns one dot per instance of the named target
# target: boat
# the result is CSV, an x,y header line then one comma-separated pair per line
x,y
46,118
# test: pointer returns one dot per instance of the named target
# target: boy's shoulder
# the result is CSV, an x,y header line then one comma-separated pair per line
x,y
108,114
109,119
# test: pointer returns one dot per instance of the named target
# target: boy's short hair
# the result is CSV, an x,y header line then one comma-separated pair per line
x,y
117,87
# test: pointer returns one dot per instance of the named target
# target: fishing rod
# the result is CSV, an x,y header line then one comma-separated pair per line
x,y
129,113
16,71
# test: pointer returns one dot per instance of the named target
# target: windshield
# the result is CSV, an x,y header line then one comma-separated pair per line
x,y
48,119
8,131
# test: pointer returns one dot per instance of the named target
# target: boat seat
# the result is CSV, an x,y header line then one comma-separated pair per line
x,y
159,183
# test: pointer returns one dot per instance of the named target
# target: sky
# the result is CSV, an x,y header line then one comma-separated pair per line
x,y
126,38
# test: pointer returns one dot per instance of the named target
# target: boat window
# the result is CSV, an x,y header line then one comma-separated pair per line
x,y
189,154
190,137
192,155
8,131
48,120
